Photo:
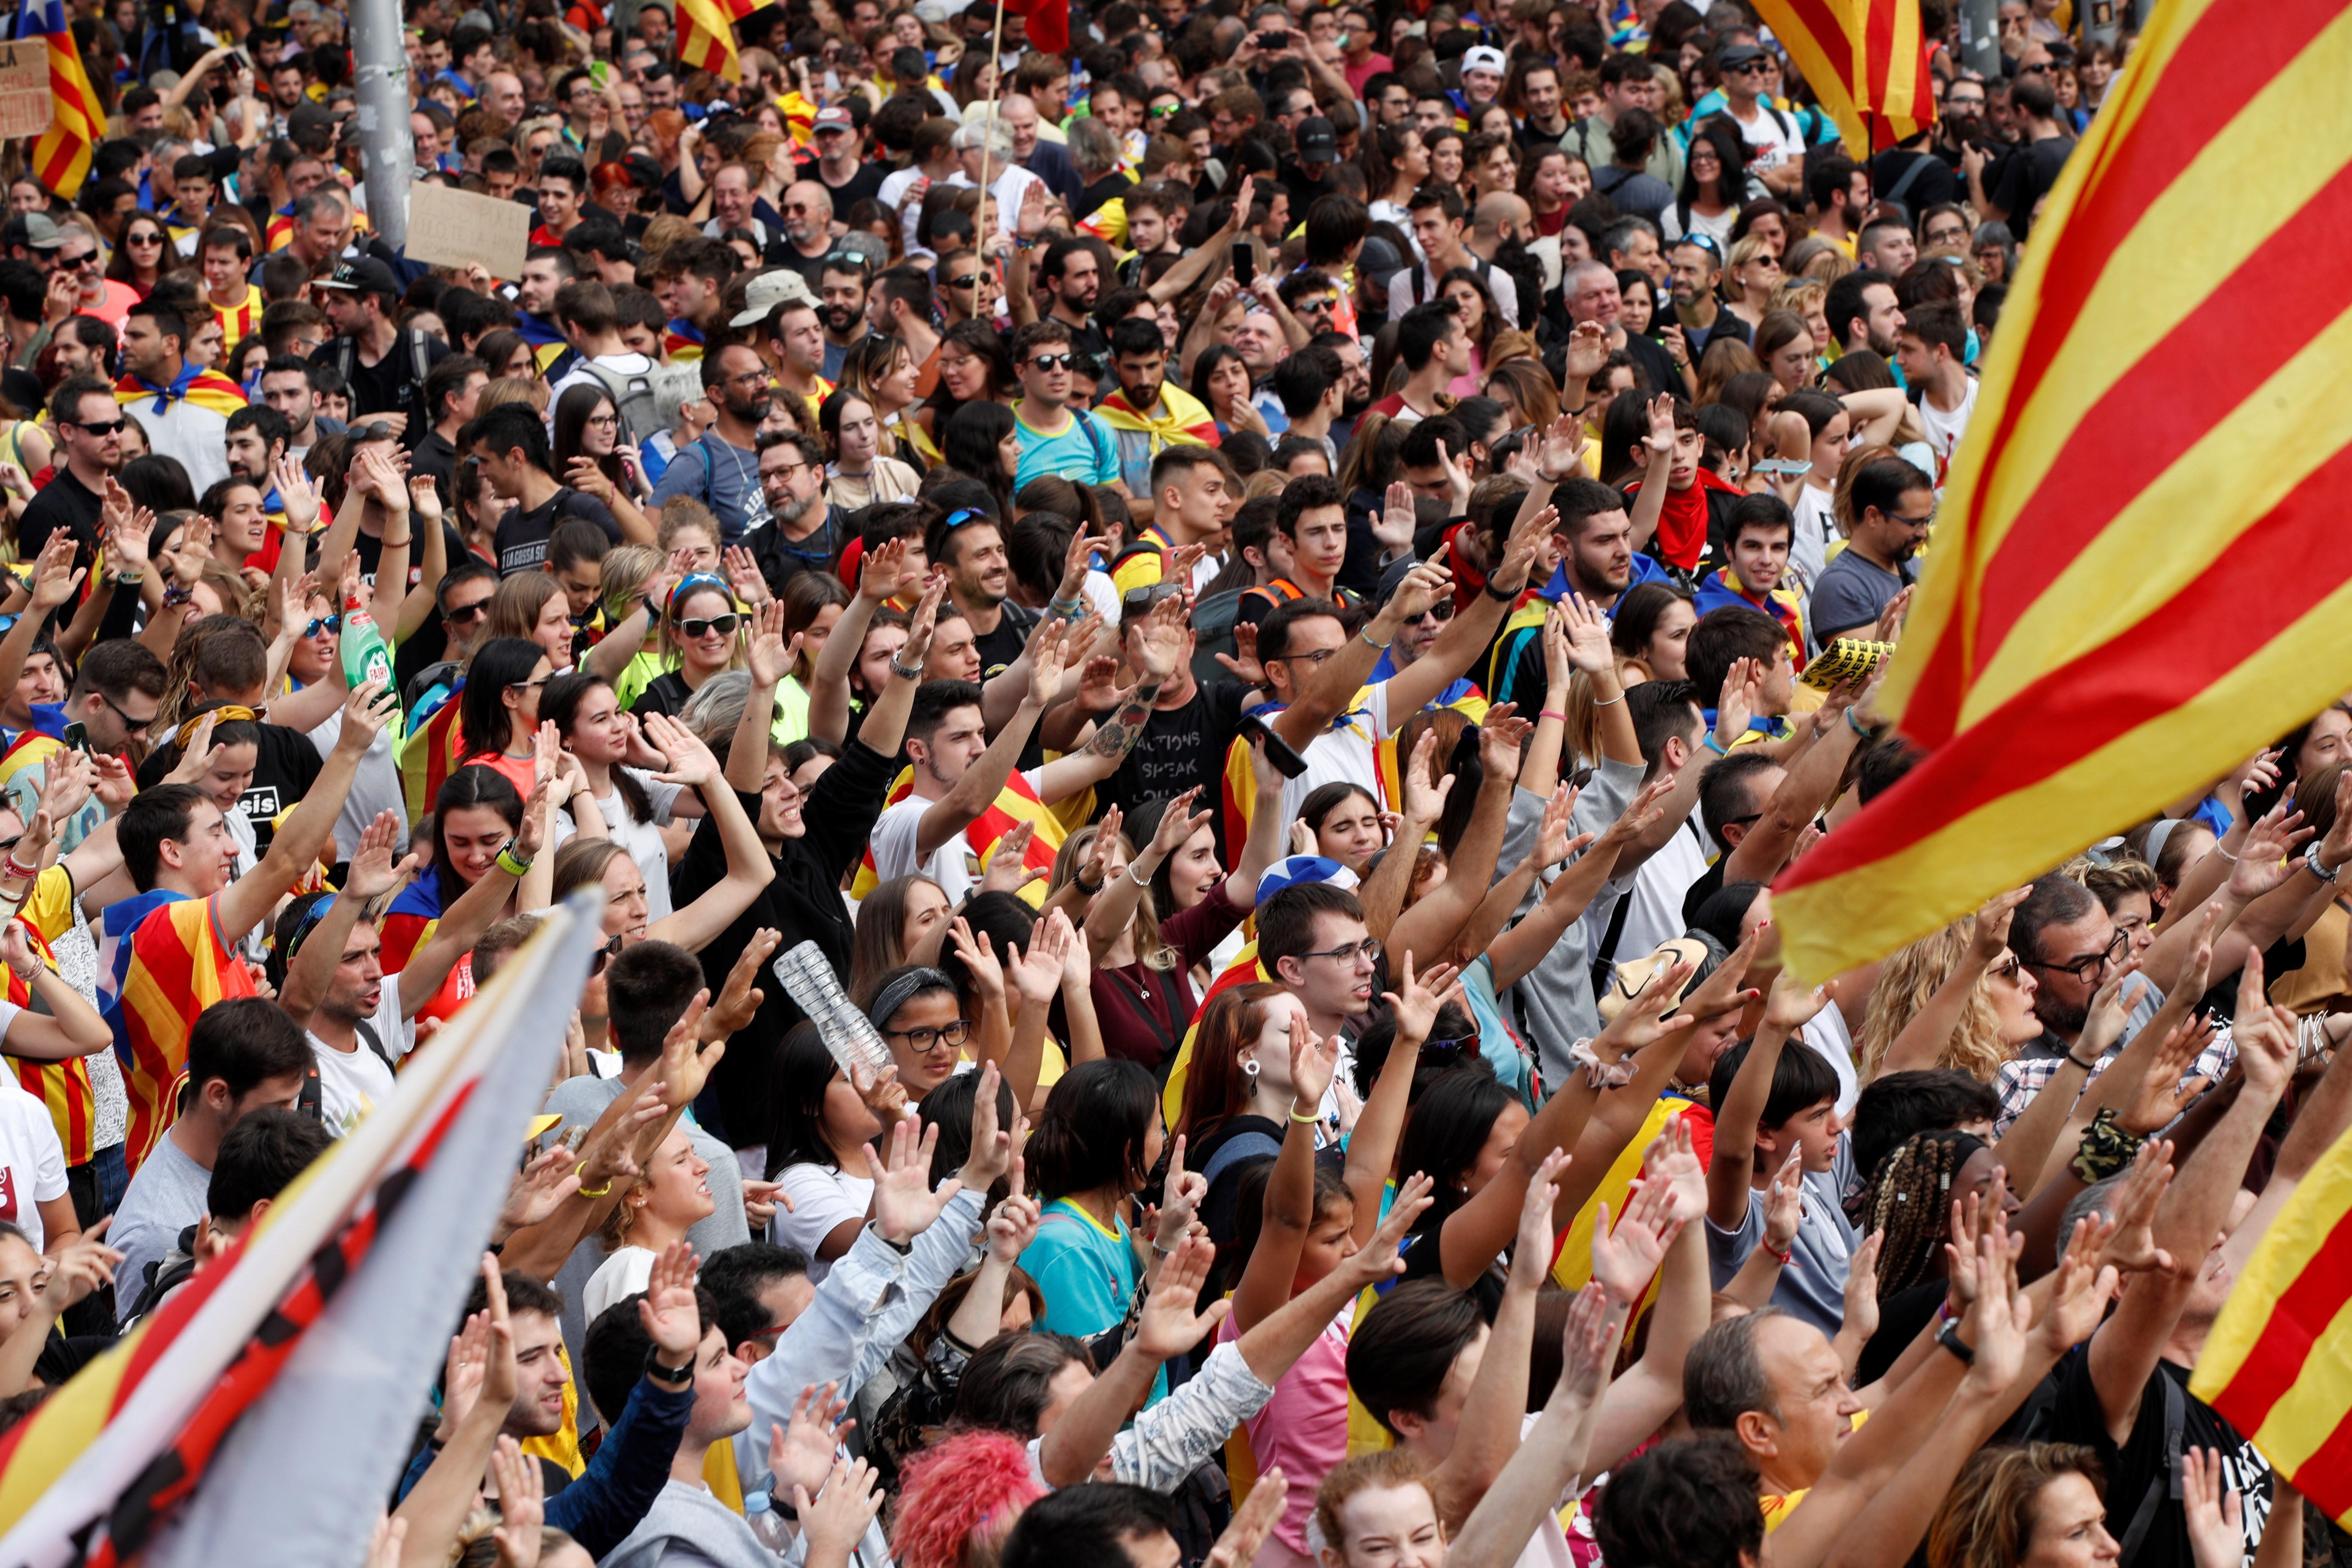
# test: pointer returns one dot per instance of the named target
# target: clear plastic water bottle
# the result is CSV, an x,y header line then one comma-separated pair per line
x,y
808,977
760,1513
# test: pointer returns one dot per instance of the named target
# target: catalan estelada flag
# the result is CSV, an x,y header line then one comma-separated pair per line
x,y
2279,1360
2141,574
428,753
1014,804
62,1087
61,156
376,1245
162,958
705,38
1866,60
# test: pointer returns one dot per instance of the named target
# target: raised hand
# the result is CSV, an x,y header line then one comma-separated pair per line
x,y
523,1504
1499,739
2164,1090
1242,663
1037,974
1415,1003
1784,1203
297,494
1377,1260
373,872
1013,1227
1793,1004
838,1518
883,573
764,653
1588,353
801,1452
1531,1248
1643,1021
1736,705
1180,1197
2130,1246
82,1267
1424,792
1861,1288
979,955
1008,861
740,998
1168,1326
1990,937
55,579
424,500
1398,518
669,1313
903,1201
2216,1517
540,1188
1179,823
743,575
2262,863
690,761
1238,1546
1314,1061
1626,1257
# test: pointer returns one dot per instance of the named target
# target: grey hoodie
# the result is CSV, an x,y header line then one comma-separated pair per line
x,y
1554,1001
687,1524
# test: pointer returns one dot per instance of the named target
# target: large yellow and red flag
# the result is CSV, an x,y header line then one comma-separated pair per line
x,y
2140,574
77,123
1866,61
2279,1360
706,37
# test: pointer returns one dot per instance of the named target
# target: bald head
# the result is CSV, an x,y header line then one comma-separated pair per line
x,y
808,212
1500,216
502,95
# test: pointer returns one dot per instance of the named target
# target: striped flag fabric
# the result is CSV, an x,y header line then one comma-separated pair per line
x,y
61,155
1866,60
2278,1362
240,1420
1016,803
2139,576
429,754
705,38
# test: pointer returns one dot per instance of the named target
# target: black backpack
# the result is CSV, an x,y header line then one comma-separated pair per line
x,y
344,355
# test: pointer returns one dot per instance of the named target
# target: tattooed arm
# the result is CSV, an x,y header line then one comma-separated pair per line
x,y
1114,737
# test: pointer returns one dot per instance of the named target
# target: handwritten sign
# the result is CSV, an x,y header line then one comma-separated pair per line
x,y
450,227
26,107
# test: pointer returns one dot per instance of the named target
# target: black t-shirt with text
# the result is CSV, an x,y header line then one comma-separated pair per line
x,y
522,535
2147,1457
1180,747
286,764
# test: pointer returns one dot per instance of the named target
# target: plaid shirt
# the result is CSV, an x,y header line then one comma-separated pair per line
x,y
2018,1080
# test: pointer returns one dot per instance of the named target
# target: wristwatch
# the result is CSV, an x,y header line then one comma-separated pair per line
x,y
1503,597
676,1376
2324,873
1949,1336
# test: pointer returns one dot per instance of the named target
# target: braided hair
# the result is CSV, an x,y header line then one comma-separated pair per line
x,y
1909,1199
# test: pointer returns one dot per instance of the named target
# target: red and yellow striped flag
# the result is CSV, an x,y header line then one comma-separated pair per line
x,y
2141,576
1866,60
705,38
61,156
2279,1360
1016,803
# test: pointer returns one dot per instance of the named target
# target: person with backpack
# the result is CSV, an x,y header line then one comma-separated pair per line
x,y
511,445
720,468
639,387
384,364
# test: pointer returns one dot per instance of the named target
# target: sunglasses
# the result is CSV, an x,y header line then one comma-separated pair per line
x,y
96,427
1138,601
87,258
1054,361
969,281
460,614
323,622
699,627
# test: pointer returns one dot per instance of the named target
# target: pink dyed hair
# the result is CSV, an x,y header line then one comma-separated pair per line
x,y
973,1482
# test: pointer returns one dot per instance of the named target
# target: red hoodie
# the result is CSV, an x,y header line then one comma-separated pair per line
x,y
1682,525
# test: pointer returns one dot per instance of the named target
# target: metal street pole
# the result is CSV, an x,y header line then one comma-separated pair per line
x,y
380,55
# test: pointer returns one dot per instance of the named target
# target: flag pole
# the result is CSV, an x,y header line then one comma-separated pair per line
x,y
988,132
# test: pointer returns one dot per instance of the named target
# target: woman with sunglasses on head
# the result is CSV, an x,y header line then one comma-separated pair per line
x,y
701,636
808,841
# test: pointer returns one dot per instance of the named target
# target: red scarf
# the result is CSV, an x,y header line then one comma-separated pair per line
x,y
1682,525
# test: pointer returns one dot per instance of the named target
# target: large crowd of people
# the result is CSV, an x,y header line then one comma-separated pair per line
x,y
1265,599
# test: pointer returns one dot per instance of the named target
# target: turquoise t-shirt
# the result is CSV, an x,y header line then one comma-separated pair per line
x,y
1088,1275
1085,451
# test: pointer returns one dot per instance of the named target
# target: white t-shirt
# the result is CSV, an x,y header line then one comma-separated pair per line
x,y
1808,544
1654,913
952,864
627,1271
375,787
32,1160
823,1198
1945,430
1344,754
643,839
1776,142
353,1083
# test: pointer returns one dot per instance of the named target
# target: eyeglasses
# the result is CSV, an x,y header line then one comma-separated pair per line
x,y
1367,951
95,426
1054,361
1315,658
459,614
925,1041
1926,521
2086,968
755,377
323,622
612,419
698,626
